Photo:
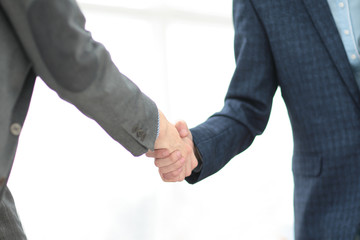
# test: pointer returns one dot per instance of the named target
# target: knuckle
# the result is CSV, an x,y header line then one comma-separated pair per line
x,y
162,171
173,174
188,149
181,178
157,163
168,177
174,157
166,180
164,154
179,164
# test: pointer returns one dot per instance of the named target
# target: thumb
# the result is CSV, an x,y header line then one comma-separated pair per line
x,y
182,128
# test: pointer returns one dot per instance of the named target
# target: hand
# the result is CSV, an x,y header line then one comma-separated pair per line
x,y
169,141
176,165
169,137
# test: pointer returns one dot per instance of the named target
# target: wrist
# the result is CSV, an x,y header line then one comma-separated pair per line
x,y
165,137
162,125
199,160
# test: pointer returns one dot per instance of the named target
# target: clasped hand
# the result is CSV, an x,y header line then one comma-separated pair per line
x,y
174,151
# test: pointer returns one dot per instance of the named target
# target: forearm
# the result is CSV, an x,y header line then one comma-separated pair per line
x,y
81,71
248,100
218,140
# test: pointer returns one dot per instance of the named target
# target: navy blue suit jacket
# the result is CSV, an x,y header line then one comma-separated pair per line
x,y
294,45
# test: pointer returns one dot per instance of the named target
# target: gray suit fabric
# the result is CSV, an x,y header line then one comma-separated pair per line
x,y
47,38
10,225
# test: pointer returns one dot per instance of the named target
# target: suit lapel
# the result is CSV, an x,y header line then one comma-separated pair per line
x,y
324,23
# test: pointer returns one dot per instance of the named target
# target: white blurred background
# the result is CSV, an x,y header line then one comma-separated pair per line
x,y
71,181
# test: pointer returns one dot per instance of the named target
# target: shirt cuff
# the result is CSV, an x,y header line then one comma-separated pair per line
x,y
158,126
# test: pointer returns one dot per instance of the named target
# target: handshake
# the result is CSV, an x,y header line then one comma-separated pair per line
x,y
174,151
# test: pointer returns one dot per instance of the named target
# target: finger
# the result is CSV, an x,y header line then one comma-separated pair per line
x,y
189,157
173,176
188,168
191,164
171,159
182,128
181,176
162,177
150,154
167,180
158,153
173,167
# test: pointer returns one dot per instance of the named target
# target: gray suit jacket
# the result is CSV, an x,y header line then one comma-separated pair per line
x,y
46,38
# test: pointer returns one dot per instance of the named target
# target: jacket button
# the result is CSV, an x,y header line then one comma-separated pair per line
x,y
15,129
141,134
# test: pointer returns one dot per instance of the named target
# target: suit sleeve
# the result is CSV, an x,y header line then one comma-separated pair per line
x,y
249,98
81,71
